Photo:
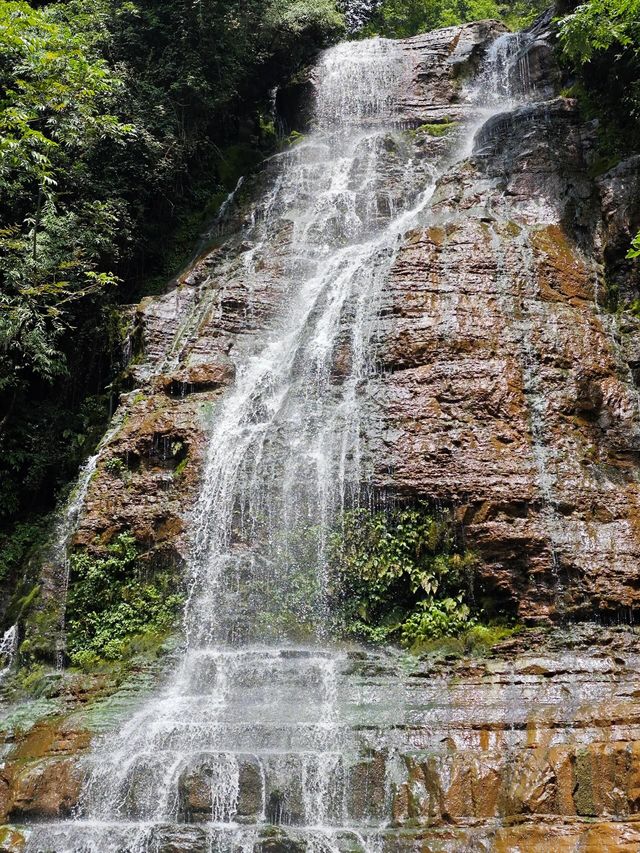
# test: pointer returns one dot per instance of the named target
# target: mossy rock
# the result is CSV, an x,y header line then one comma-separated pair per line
x,y
437,129
12,840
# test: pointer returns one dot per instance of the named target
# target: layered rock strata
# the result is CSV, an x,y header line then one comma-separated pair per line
x,y
519,751
507,391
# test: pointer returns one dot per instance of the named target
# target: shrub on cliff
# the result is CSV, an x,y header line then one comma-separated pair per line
x,y
115,599
400,576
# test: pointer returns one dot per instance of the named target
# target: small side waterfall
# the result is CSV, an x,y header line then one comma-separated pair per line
x,y
259,732
64,529
358,12
8,649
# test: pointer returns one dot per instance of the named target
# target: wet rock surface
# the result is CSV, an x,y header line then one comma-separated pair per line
x,y
507,391
536,740
41,777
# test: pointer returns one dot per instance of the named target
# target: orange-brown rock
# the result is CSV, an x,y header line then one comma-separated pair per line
x,y
507,394
41,777
46,789
524,749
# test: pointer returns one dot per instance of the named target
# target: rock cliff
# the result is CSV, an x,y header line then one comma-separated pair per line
x,y
507,391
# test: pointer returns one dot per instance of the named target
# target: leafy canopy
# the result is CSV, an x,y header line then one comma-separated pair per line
x,y
54,109
404,18
597,26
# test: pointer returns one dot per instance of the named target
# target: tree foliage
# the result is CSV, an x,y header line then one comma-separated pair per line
x,y
599,25
118,120
56,95
403,18
634,251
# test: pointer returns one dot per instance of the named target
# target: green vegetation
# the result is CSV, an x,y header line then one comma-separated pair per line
x,y
600,44
403,18
123,125
440,129
598,26
117,604
478,641
16,546
401,576
115,467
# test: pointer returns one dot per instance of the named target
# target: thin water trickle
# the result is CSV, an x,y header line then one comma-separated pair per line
x,y
8,649
63,532
257,726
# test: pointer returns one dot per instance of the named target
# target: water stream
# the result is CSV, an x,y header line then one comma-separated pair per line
x,y
8,648
259,727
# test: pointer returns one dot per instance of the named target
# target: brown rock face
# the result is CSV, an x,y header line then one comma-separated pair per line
x,y
41,778
515,753
509,388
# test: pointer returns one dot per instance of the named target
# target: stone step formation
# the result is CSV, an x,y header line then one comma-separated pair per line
x,y
504,751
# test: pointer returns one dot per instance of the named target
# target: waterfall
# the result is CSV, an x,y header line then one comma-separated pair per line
x,y
358,12
258,730
64,529
8,649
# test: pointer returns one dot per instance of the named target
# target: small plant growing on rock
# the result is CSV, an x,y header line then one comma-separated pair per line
x,y
634,250
115,467
400,576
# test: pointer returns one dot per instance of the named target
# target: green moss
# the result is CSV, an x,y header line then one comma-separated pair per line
x,y
512,229
439,129
634,307
479,641
42,622
32,680
26,601
115,467
180,467
12,840
294,138
612,291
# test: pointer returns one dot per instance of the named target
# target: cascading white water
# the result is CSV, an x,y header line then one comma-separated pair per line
x,y
251,718
358,12
257,726
502,84
8,648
